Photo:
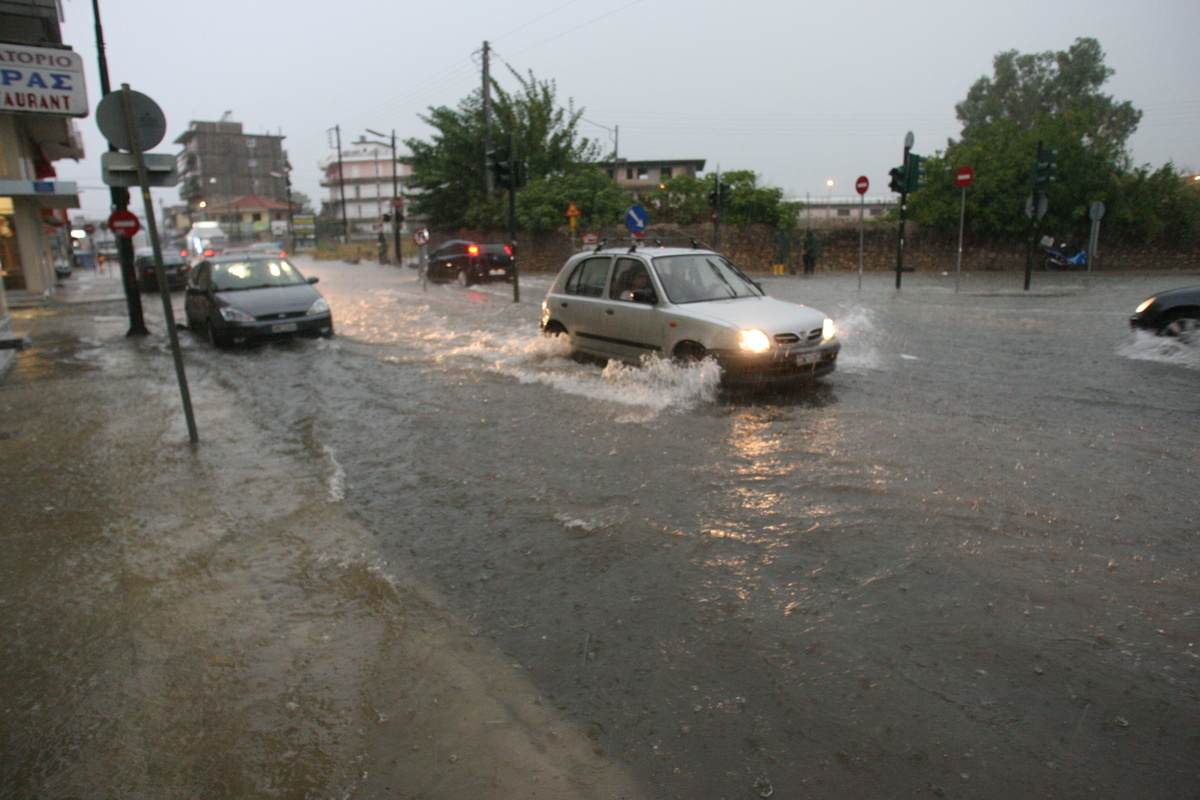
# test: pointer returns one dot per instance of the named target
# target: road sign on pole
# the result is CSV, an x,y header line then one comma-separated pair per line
x,y
963,178
862,184
124,224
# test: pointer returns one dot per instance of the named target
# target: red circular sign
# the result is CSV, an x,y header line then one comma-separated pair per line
x,y
89,228
124,223
421,236
862,184
964,176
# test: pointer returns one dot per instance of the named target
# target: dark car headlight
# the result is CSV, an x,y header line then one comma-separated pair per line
x,y
1145,305
231,314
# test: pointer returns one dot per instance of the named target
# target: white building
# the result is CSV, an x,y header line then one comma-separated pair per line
x,y
364,187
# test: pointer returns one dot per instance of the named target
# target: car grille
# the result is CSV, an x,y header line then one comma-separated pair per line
x,y
808,337
277,317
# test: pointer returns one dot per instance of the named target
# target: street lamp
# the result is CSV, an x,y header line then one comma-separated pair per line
x,y
829,205
396,208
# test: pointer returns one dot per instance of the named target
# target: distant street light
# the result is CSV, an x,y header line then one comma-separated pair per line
x,y
396,207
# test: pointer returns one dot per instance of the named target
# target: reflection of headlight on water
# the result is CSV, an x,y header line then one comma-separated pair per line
x,y
755,341
828,331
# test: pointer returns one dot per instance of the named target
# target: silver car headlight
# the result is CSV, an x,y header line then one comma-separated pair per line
x,y
828,331
231,314
318,307
754,341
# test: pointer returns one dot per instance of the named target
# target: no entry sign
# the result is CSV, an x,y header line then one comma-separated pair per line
x,y
862,184
124,223
964,176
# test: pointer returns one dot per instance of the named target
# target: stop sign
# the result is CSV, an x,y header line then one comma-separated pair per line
x,y
124,223
964,176
862,184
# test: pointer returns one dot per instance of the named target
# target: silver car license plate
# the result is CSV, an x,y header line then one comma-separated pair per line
x,y
808,358
283,327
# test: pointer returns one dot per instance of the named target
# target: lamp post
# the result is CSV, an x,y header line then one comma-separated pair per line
x,y
396,207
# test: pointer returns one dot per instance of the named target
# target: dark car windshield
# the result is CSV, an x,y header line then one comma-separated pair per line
x,y
700,277
254,273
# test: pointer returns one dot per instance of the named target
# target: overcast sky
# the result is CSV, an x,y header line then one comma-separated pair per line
x,y
801,93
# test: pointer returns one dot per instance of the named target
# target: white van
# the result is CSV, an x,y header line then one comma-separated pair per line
x,y
205,239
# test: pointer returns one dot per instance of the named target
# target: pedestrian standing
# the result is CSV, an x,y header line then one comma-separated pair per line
x,y
810,252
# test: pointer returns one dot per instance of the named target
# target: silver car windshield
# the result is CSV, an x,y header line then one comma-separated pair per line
x,y
699,278
254,274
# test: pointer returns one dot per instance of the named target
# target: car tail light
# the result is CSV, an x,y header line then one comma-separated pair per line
x,y
283,254
210,252
183,253
508,250
473,250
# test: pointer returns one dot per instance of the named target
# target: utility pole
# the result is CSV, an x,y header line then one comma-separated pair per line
x,y
120,202
342,185
488,180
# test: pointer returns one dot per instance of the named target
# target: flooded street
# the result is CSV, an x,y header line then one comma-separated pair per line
x,y
963,565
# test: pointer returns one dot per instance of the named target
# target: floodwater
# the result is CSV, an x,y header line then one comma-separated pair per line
x,y
963,565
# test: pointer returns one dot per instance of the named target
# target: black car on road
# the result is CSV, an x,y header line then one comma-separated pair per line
x,y
175,267
470,262
237,299
1174,313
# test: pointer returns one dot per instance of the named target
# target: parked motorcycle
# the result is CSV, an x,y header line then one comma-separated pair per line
x,y
1056,261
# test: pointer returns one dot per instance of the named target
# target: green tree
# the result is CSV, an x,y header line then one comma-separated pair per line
x,y
1050,97
448,168
542,204
684,200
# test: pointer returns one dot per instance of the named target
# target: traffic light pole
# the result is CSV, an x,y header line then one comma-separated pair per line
x,y
903,215
120,202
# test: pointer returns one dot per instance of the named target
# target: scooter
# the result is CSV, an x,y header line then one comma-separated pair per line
x,y
1056,261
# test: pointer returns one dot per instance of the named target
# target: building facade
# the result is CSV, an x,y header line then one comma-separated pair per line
x,y
42,93
638,176
223,171
361,188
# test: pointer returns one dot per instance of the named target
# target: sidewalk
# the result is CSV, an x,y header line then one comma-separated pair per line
x,y
210,622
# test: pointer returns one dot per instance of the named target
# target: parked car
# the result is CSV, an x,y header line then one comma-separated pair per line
x,y
1173,313
690,304
259,248
175,267
234,299
470,262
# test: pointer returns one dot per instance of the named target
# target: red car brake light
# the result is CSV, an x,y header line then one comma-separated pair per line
x,y
473,250
208,253
508,250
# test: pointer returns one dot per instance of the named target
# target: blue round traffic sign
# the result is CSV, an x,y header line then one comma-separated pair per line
x,y
636,219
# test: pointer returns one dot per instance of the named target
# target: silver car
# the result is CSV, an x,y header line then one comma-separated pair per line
x,y
689,304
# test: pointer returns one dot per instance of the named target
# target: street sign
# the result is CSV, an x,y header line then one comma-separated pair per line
x,y
149,123
1096,211
397,202
421,236
120,169
572,211
636,219
124,224
862,184
964,176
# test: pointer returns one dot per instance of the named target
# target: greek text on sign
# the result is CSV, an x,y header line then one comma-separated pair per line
x,y
42,80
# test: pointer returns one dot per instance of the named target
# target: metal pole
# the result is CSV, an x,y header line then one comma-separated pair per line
x,y
120,202
164,290
862,206
903,215
342,185
962,218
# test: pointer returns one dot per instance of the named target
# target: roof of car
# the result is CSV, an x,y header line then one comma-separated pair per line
x,y
651,250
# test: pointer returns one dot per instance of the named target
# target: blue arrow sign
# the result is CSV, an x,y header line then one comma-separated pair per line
x,y
636,219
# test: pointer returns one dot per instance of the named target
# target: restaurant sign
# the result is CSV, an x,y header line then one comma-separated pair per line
x,y
42,80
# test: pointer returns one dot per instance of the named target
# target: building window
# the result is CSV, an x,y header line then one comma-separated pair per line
x,y
843,212
666,173
256,216
643,173
629,174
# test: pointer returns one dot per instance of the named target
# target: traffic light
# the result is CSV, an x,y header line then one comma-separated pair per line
x,y
899,182
1044,168
915,177
518,173
718,196
501,165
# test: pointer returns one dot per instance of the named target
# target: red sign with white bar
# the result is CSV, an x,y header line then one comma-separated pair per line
x,y
124,223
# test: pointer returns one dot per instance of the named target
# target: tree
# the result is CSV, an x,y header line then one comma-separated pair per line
x,y
684,200
1050,97
448,169
542,204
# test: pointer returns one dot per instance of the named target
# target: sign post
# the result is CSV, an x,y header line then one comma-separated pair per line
x,y
861,186
134,122
572,214
963,178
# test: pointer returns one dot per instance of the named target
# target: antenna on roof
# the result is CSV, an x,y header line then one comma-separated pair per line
x,y
225,117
